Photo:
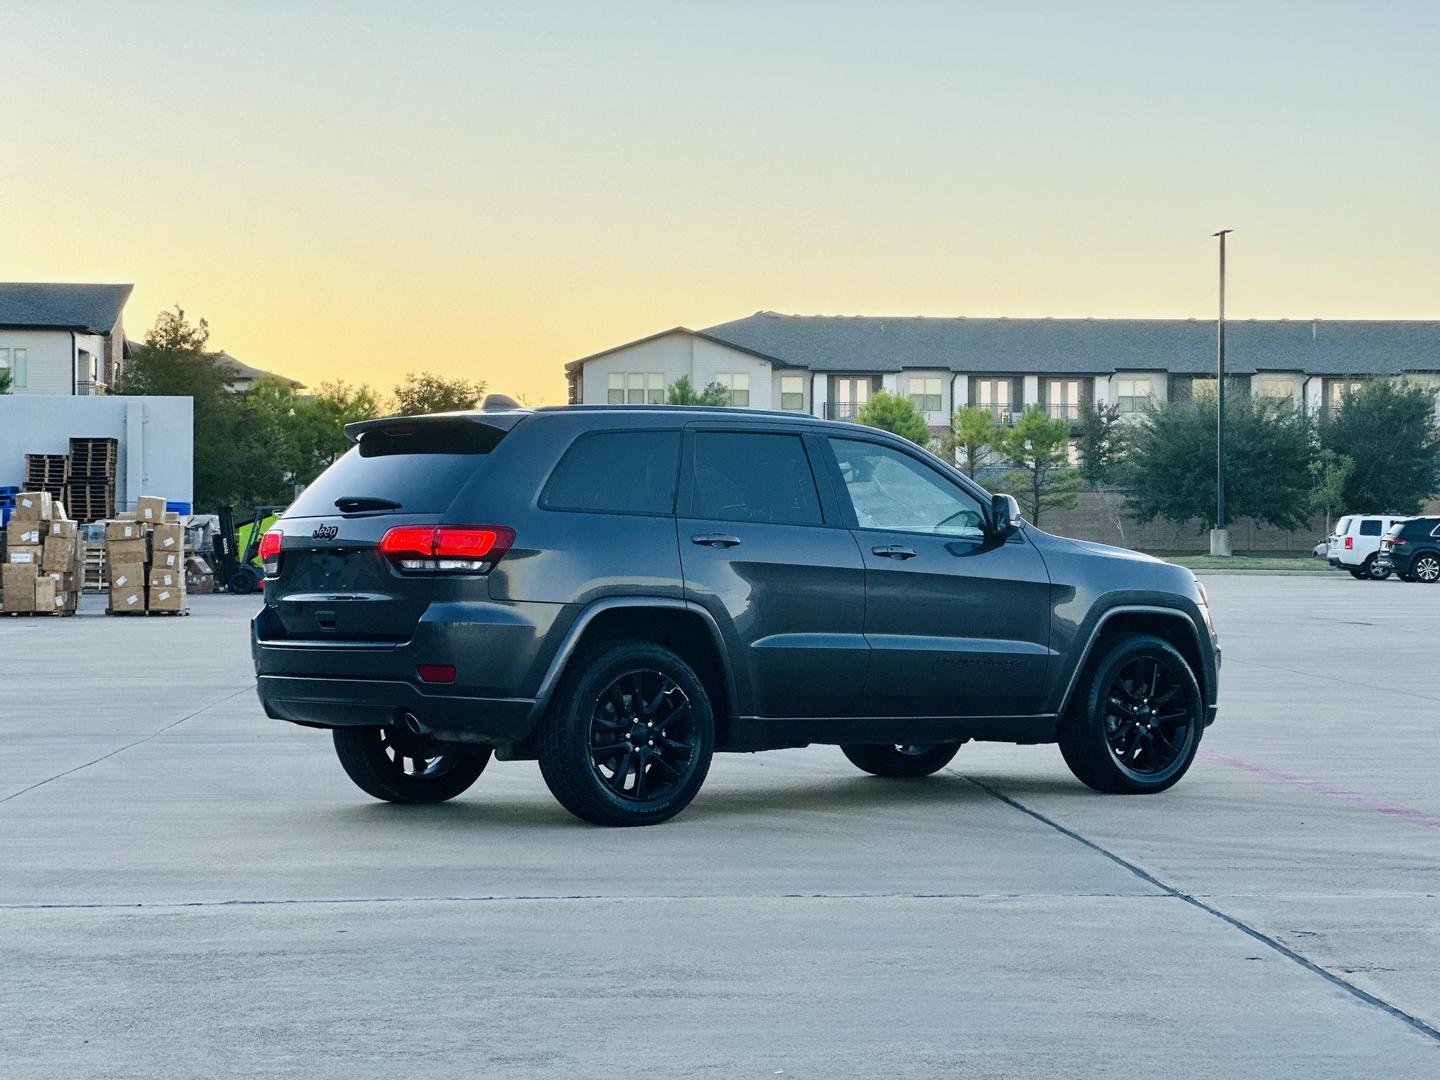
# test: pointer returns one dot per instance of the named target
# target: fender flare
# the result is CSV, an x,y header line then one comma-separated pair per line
x,y
563,655
1135,609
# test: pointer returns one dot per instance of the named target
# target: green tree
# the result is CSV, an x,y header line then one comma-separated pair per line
x,y
1102,457
974,434
427,392
174,360
682,392
1170,470
1331,472
1040,448
5,380
891,412
1388,429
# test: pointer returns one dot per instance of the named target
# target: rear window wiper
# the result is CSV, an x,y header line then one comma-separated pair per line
x,y
351,504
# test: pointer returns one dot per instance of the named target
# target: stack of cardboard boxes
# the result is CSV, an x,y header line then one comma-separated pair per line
x,y
43,569
145,556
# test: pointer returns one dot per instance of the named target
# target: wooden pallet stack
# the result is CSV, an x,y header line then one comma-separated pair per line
x,y
90,483
48,473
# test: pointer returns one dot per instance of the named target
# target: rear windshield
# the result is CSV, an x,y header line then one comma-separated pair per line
x,y
419,468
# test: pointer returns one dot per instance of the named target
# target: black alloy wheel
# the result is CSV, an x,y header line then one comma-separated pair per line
x,y
1426,568
1141,722
396,765
642,736
629,736
901,760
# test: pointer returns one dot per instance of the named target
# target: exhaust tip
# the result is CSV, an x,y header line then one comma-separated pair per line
x,y
413,725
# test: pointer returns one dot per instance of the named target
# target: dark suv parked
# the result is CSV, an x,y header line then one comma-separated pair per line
x,y
621,591
1411,550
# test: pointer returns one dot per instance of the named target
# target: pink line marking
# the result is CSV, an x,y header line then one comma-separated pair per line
x,y
1320,787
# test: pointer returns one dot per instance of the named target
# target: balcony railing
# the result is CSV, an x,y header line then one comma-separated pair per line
x,y
1063,412
843,410
1003,414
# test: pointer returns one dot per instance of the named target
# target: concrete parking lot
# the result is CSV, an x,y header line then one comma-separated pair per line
x,y
188,889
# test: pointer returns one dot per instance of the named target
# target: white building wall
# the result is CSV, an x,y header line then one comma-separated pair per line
x,y
819,392
712,359
1101,390
890,383
959,392
1031,395
676,355
48,359
670,355
156,437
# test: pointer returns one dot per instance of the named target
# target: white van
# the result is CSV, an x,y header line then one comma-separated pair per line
x,y
1356,541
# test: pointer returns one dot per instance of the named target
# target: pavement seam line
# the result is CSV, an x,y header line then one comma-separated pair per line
x,y
140,905
127,746
1259,935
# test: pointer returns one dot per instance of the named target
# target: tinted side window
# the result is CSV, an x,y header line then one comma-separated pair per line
x,y
760,477
617,472
1370,528
891,490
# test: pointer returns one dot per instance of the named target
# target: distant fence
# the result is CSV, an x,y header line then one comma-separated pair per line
x,y
1094,519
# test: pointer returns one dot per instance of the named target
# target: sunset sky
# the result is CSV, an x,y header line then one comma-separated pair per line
x,y
360,189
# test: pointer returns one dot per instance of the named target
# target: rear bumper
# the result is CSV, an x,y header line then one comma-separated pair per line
x,y
499,652
373,702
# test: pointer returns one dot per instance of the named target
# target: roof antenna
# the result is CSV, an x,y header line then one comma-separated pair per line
x,y
499,403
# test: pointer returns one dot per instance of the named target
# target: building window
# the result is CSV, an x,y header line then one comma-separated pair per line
x,y
1282,390
1340,389
1133,395
16,361
925,393
792,393
635,388
1062,398
738,383
995,395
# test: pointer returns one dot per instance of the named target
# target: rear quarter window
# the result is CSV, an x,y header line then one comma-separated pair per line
x,y
1370,528
616,472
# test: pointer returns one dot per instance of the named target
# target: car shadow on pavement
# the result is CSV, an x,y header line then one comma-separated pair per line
x,y
859,795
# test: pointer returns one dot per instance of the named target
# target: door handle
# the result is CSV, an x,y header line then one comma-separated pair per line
x,y
894,551
716,540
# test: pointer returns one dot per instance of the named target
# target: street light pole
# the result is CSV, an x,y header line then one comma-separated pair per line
x,y
1220,535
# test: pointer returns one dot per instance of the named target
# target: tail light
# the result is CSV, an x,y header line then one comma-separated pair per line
x,y
1349,543
1395,541
454,549
270,552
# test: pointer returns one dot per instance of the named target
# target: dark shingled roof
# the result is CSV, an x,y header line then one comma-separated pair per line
x,y
89,309
1084,346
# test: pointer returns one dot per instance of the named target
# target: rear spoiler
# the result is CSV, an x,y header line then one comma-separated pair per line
x,y
496,421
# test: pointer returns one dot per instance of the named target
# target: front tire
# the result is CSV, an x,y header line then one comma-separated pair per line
x,y
629,737
1140,717
392,764
900,761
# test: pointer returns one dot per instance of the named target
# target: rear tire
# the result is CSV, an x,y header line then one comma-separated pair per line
x,y
900,761
1357,573
392,764
1373,570
1138,723
629,736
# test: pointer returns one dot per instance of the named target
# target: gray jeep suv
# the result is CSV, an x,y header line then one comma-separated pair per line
x,y
619,592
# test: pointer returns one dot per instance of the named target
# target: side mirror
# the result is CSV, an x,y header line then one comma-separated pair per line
x,y
1004,515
